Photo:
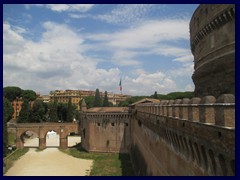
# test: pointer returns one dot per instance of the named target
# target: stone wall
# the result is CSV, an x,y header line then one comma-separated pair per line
x,y
105,132
41,129
184,137
212,37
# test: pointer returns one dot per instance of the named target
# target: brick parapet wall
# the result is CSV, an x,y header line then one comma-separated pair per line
x,y
198,133
208,110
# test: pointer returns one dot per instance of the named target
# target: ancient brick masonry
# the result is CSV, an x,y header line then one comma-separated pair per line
x,y
176,137
106,129
212,38
185,137
41,129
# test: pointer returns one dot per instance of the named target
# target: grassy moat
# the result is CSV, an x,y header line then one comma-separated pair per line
x,y
104,164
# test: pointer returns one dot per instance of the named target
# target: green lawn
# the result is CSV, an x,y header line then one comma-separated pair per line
x,y
105,164
11,138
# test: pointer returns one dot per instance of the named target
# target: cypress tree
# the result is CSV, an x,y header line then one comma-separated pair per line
x,y
105,100
155,96
69,111
97,99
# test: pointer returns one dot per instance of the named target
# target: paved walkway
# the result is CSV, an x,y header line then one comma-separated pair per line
x,y
49,162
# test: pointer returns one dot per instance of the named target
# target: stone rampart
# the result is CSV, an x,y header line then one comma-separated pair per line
x,y
105,131
185,137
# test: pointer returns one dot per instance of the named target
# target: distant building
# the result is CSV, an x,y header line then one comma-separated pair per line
x,y
17,106
117,98
44,98
145,100
63,96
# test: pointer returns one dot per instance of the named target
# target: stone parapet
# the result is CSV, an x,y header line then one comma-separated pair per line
x,y
208,110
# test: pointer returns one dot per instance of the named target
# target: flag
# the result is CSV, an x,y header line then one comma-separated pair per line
x,y
120,84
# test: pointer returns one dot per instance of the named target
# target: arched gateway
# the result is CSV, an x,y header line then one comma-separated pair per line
x,y
63,129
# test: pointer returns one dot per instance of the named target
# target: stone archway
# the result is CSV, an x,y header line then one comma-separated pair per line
x,y
52,139
63,129
19,136
30,139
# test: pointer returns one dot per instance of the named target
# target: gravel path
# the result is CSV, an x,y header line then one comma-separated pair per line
x,y
50,162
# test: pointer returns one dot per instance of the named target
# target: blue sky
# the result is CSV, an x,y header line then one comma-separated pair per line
x,y
86,46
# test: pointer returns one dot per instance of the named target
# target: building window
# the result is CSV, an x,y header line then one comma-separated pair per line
x,y
112,124
126,124
98,124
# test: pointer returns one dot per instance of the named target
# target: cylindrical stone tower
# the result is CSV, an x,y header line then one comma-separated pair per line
x,y
212,38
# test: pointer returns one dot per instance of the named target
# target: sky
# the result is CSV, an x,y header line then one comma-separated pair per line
x,y
89,46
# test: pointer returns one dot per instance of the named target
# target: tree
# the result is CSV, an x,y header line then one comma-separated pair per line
x,y
155,96
29,95
89,100
24,115
53,112
11,92
62,111
97,99
38,112
105,100
7,115
70,111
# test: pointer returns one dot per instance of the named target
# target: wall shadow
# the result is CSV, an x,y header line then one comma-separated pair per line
x,y
126,165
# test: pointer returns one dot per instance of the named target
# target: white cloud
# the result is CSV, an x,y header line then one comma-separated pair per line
x,y
148,83
148,34
55,62
59,61
64,7
148,38
185,58
12,41
185,70
78,16
126,13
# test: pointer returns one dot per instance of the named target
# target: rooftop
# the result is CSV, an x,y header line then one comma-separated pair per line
x,y
108,109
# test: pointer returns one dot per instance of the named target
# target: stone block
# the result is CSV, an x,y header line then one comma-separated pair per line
x,y
225,110
193,114
207,109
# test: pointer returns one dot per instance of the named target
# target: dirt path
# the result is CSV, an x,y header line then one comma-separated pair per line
x,y
49,162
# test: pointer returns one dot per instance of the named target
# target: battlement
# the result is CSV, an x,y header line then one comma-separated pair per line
x,y
207,110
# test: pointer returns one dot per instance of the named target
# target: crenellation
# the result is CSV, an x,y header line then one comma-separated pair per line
x,y
225,110
207,110
204,110
176,108
193,113
184,108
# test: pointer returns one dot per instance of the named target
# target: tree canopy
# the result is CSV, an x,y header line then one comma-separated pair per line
x,y
12,92
24,115
29,95
175,95
37,114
